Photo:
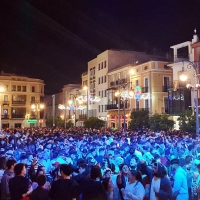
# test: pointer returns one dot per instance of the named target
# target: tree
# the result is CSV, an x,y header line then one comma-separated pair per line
x,y
59,122
160,122
187,121
94,122
139,119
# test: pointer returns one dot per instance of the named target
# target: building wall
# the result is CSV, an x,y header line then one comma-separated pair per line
x,y
157,70
16,100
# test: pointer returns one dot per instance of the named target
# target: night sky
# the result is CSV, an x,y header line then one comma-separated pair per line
x,y
54,39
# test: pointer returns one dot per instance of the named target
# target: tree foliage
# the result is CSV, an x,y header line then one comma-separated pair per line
x,y
59,122
94,122
139,119
160,122
187,121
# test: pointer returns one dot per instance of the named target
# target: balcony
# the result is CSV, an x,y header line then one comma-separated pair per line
x,y
5,103
82,116
138,109
4,117
115,106
18,116
181,58
19,102
145,89
33,117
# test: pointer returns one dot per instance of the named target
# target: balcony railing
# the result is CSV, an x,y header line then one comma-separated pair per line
x,y
139,109
33,117
5,103
181,58
145,89
18,116
4,117
19,102
115,106
82,116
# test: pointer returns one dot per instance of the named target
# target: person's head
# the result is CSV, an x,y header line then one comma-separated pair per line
x,y
65,170
125,169
10,164
83,167
41,180
134,175
95,173
174,164
133,163
40,170
107,173
3,161
20,169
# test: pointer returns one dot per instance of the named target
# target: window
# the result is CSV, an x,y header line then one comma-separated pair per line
x,y
99,66
32,99
93,71
21,99
102,93
99,108
137,105
99,93
105,79
99,80
5,98
146,103
102,108
18,88
136,82
105,64
13,87
146,67
23,88
146,82
33,88
102,65
102,79
105,93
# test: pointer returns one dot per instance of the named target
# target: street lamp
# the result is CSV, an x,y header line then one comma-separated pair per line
x,y
86,89
74,96
123,93
194,88
37,107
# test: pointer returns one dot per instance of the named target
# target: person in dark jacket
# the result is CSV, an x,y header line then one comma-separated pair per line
x,y
160,185
19,185
92,188
83,173
64,188
40,193
8,174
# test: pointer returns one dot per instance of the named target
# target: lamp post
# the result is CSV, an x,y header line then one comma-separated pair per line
x,y
194,88
37,107
74,96
123,93
86,89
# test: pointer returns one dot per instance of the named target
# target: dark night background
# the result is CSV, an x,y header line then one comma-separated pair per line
x,y
54,40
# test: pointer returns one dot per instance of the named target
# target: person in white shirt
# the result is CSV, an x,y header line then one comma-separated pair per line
x,y
134,189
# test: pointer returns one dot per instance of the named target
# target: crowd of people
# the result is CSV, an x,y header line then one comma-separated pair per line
x,y
85,164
